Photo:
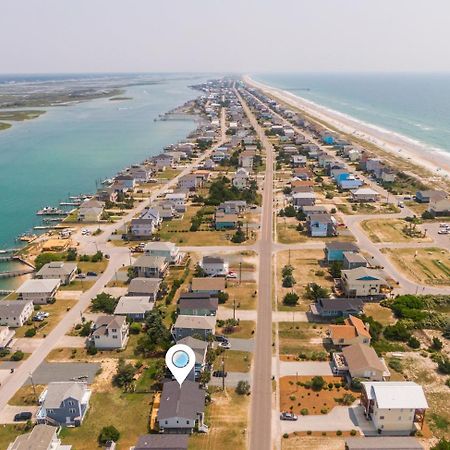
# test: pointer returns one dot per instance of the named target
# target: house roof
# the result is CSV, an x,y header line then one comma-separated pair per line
x,y
38,286
13,307
160,246
360,357
353,257
58,391
364,191
213,260
383,443
184,401
195,322
57,268
162,442
198,346
352,328
134,305
396,394
362,274
104,323
210,303
150,262
344,246
144,285
40,438
208,284
340,304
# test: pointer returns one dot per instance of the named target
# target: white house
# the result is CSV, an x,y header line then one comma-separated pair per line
x,y
6,336
134,307
64,271
14,313
214,266
167,250
395,407
110,332
178,199
39,291
240,179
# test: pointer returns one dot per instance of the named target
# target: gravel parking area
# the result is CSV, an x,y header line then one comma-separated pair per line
x,y
65,371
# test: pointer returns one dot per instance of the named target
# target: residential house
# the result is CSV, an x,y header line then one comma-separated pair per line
x,y
110,332
140,173
362,282
134,308
348,181
388,175
201,305
166,210
163,161
190,182
383,443
365,195
201,326
334,251
14,313
295,184
302,173
353,331
233,206
360,361
439,207
430,195
64,271
178,199
316,209
321,225
301,199
209,164
107,194
214,266
224,221
337,307
182,408
208,285
41,437
144,287
298,160
353,260
162,442
6,336
90,211
127,180
64,403
167,250
200,348
241,178
40,292
147,266
146,224
246,159
394,407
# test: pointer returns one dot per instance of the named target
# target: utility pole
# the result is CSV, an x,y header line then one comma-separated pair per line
x,y
234,309
34,387
246,234
289,260
223,373
240,272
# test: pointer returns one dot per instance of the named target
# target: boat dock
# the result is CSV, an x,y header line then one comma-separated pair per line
x,y
16,273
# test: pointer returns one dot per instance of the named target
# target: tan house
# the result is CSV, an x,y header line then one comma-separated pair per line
x,y
90,211
394,407
38,291
353,331
362,282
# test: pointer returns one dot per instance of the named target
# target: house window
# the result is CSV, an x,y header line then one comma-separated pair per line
x,y
381,417
114,330
167,422
187,422
70,402
114,336
72,411
50,411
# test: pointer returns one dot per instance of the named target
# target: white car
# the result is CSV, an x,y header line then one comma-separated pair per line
x,y
232,275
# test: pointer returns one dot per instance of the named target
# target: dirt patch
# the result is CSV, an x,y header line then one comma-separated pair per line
x,y
102,382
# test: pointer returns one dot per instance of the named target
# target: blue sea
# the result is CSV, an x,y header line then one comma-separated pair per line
x,y
69,149
416,106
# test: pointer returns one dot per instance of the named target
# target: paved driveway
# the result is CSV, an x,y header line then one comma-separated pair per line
x,y
48,372
231,380
244,345
27,345
305,368
344,418
9,411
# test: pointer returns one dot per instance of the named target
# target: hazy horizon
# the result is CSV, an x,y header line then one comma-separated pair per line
x,y
213,36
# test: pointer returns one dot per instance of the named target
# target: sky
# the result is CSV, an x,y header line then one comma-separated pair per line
x,y
241,36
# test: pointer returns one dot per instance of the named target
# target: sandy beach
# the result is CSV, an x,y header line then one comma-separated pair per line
x,y
436,162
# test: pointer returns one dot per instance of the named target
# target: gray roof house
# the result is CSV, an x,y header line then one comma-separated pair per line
x,y
182,407
14,313
162,442
201,326
64,403
134,307
337,307
64,271
110,332
205,306
200,348
41,437
147,266
144,287
39,292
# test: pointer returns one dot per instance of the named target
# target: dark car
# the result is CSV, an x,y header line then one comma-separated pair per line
x,y
288,416
25,415
220,338
220,374
91,274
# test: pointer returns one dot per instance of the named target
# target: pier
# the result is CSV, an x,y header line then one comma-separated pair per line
x,y
16,273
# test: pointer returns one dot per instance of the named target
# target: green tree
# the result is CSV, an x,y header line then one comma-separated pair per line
x,y
290,299
413,342
124,375
105,303
436,344
156,336
71,254
335,269
314,292
317,383
243,388
238,236
17,356
223,297
397,332
109,433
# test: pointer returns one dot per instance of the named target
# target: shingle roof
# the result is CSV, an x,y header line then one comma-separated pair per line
x,y
57,268
345,246
144,285
361,357
181,401
58,391
39,438
134,305
162,441
13,307
150,261
211,303
195,322
38,286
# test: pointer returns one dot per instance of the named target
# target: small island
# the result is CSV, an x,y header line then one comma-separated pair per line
x,y
119,99
17,116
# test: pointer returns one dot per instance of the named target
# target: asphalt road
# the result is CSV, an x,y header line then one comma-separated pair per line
x,y
261,404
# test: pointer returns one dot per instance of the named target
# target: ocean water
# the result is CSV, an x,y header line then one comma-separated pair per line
x,y
416,106
71,148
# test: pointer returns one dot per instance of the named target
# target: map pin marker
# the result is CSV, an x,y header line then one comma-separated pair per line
x,y
180,359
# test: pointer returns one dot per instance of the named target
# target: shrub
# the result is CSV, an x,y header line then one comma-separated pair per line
x,y
243,388
135,328
436,344
285,435
223,297
17,356
91,350
353,432
30,332
109,433
338,433
396,365
324,411
309,433
304,412
317,383
290,299
413,342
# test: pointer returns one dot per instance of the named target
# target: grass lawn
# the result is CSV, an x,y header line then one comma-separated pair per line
x,y
167,174
294,397
9,432
78,285
313,442
287,231
383,230
97,267
243,293
25,395
235,361
129,413
56,311
245,330
227,418
295,337
424,265
379,313
306,270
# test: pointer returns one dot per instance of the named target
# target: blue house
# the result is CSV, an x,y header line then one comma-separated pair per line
x,y
347,181
334,251
328,139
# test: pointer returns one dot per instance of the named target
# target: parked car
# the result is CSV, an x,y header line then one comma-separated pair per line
x,y
22,416
225,345
232,275
91,274
444,231
288,416
81,275
220,338
220,374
